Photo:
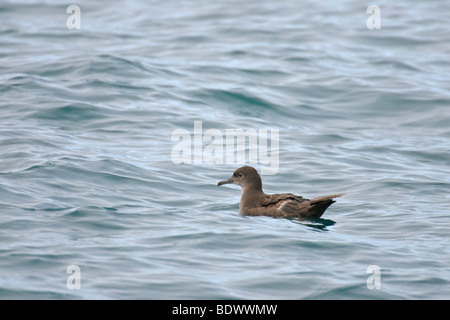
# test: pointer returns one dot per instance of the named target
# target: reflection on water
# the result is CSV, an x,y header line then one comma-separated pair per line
x,y
319,224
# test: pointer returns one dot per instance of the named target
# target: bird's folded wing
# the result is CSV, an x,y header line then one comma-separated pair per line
x,y
289,205
275,198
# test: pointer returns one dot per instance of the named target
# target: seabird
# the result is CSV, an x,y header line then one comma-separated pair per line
x,y
254,202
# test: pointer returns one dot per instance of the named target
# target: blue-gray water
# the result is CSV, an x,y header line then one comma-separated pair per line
x,y
87,175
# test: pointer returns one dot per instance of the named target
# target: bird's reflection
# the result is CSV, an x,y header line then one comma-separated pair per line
x,y
318,224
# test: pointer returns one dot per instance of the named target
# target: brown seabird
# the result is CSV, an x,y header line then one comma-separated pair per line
x,y
254,202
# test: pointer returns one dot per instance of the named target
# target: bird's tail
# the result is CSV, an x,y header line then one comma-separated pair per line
x,y
325,198
320,204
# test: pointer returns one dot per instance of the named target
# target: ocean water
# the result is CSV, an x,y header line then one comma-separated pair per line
x,y
95,204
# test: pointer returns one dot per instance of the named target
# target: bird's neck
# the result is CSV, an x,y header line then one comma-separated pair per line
x,y
251,195
255,187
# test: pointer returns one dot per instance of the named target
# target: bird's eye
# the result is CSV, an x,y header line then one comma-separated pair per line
x,y
240,175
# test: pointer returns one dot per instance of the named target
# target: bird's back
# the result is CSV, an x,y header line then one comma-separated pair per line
x,y
288,205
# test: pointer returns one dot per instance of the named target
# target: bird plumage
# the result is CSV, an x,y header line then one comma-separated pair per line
x,y
255,202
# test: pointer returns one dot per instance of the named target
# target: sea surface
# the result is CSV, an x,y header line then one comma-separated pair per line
x,y
102,196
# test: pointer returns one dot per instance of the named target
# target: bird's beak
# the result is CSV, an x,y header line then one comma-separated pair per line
x,y
231,180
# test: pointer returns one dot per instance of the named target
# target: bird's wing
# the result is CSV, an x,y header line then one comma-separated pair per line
x,y
289,205
276,198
